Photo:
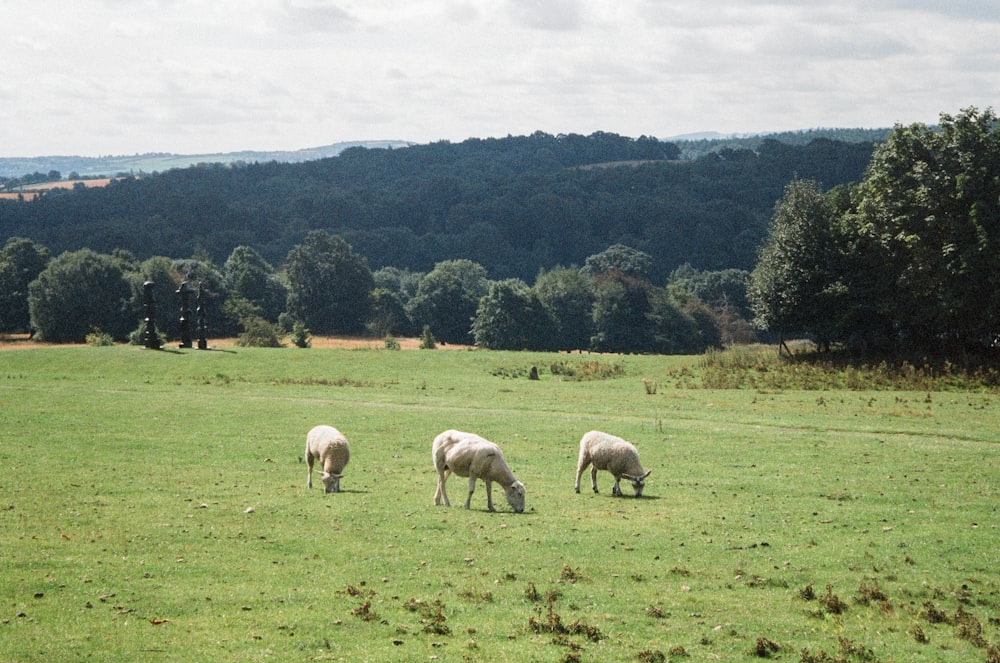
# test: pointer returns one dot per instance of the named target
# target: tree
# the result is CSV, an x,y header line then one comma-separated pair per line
x,y
388,316
447,299
329,285
567,295
620,315
201,273
510,317
80,292
931,205
675,330
21,261
618,257
251,278
796,286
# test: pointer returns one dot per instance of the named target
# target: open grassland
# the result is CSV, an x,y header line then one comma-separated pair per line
x,y
153,507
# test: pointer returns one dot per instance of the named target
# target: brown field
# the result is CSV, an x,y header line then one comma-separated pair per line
x,y
22,342
32,191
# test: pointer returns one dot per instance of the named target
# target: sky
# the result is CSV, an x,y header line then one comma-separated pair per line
x,y
123,77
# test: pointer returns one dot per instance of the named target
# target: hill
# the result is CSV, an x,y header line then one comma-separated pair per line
x,y
515,205
154,162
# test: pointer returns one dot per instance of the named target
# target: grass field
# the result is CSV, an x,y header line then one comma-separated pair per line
x,y
153,507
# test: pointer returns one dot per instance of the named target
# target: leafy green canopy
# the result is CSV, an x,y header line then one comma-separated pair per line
x,y
910,259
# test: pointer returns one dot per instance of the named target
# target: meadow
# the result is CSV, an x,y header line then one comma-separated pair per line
x,y
153,506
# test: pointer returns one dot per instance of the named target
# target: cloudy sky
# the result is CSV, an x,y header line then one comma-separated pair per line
x,y
99,77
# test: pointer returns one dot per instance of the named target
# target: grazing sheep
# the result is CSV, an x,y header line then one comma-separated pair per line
x,y
469,455
329,446
607,452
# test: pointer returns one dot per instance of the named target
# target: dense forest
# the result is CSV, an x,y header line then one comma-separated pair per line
x,y
513,205
594,242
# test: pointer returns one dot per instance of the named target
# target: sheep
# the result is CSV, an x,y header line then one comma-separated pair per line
x,y
469,455
607,452
330,447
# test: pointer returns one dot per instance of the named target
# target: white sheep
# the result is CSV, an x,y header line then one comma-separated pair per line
x,y
607,452
330,447
469,455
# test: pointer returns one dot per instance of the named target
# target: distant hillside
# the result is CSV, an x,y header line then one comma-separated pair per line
x,y
158,162
514,205
697,145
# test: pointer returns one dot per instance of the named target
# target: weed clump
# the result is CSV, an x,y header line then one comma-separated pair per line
x,y
569,574
553,624
431,616
364,612
591,369
832,602
765,648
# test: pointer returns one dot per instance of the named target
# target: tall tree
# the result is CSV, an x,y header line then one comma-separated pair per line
x,y
21,261
931,203
80,292
510,317
329,285
620,314
797,284
447,299
567,295
618,257
251,278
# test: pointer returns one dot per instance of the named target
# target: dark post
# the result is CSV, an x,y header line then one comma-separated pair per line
x,y
150,338
200,318
185,292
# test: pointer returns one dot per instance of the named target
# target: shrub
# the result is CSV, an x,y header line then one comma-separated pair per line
x,y
427,340
301,337
99,338
259,333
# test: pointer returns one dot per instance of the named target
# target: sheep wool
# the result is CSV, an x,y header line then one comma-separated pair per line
x,y
602,451
330,447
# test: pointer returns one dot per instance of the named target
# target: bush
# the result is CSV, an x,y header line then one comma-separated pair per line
x,y
301,337
391,343
98,338
136,336
427,340
259,333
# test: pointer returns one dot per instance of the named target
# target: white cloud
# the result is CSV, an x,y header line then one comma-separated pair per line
x,y
190,76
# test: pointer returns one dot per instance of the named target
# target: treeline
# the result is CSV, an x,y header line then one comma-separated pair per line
x,y
513,205
905,262
326,288
697,148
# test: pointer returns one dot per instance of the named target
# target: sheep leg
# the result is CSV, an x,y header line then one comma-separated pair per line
x,y
309,473
581,466
617,490
489,495
593,477
472,488
440,494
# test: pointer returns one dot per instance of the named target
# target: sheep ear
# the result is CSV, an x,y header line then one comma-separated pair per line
x,y
648,472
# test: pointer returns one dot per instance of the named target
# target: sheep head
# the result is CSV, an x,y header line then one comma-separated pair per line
x,y
331,482
515,496
638,482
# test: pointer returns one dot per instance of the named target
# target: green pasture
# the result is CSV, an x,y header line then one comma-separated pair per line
x,y
153,507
